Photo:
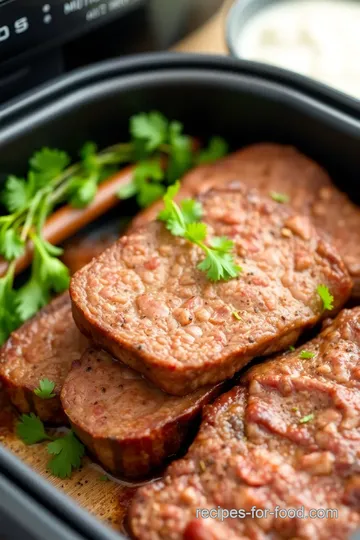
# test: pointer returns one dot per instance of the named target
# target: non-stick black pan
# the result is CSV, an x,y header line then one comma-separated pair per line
x,y
211,95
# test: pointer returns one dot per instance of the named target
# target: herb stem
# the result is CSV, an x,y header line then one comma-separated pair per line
x,y
30,215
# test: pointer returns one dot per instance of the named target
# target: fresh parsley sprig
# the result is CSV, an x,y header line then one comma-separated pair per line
x,y
154,136
183,221
45,390
66,451
326,297
305,355
53,180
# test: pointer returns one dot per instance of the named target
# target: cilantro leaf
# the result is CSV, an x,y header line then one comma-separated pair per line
x,y
127,191
49,271
11,245
54,273
30,429
180,152
151,128
30,298
149,194
51,249
149,169
172,215
83,191
45,389
216,149
47,164
67,452
16,193
222,244
326,297
306,355
219,262
219,266
88,154
196,232
279,197
9,319
192,210
307,418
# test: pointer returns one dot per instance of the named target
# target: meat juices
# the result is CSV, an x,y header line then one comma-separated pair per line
x,y
283,169
145,301
131,426
288,435
43,347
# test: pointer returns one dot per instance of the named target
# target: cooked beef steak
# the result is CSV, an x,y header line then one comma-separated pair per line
x,y
145,301
282,169
287,436
131,426
44,347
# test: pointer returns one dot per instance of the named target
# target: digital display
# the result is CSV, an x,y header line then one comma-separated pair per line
x,y
30,23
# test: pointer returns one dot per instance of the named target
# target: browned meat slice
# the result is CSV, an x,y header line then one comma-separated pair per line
x,y
44,347
288,437
282,169
131,426
145,301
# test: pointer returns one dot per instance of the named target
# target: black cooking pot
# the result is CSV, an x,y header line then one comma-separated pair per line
x,y
241,101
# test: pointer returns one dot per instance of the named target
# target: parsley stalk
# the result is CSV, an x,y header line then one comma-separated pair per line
x,y
52,180
183,221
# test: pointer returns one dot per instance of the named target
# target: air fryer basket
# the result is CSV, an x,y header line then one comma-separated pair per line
x,y
211,96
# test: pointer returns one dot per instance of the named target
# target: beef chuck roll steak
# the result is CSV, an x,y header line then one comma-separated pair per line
x,y
287,437
284,170
131,426
145,301
43,348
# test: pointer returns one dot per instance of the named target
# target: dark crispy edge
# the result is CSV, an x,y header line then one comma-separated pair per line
x,y
136,457
23,397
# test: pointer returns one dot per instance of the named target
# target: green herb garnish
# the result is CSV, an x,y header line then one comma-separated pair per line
x,y
217,149
154,136
52,180
304,355
104,478
67,451
326,297
236,315
182,221
30,429
307,418
292,348
45,389
279,197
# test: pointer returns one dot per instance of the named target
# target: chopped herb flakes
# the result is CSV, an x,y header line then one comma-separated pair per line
x,y
307,418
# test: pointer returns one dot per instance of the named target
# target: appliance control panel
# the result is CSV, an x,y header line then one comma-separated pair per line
x,y
29,24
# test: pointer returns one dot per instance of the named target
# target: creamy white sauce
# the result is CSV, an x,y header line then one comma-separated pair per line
x,y
317,38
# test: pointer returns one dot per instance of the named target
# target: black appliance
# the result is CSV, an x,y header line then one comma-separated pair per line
x,y
40,39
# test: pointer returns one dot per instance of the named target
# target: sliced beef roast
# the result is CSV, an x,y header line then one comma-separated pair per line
x,y
43,348
287,437
145,301
131,426
274,170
